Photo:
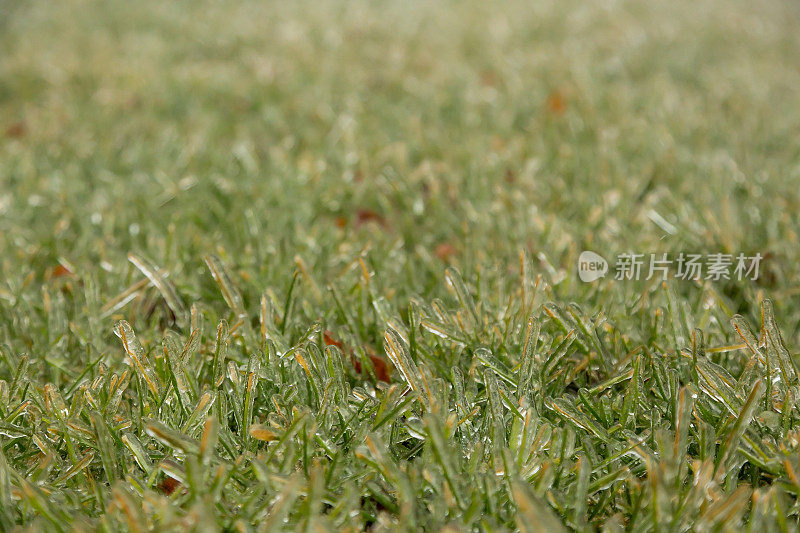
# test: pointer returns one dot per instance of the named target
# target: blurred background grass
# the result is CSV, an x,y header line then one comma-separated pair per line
x,y
413,134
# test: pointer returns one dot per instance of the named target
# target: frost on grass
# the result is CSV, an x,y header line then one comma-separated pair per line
x,y
310,266
545,416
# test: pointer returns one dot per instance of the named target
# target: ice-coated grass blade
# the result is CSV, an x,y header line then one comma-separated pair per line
x,y
398,353
164,286
742,328
5,484
719,384
137,450
199,413
588,332
250,391
574,417
496,412
686,399
534,515
581,492
105,446
529,356
457,285
220,352
172,439
75,469
743,419
229,291
777,347
275,520
136,354
443,455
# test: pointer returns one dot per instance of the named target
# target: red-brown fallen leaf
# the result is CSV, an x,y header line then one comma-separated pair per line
x,y
444,251
133,102
364,216
168,485
61,271
556,103
380,366
16,130
488,78
330,341
498,143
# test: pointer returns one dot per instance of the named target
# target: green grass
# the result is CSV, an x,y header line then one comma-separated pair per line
x,y
193,193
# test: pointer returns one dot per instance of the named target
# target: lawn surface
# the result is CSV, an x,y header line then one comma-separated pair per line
x,y
284,265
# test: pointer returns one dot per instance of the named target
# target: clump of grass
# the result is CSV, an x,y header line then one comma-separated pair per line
x,y
523,415
294,266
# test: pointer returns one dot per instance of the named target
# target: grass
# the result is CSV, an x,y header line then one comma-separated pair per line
x,y
312,266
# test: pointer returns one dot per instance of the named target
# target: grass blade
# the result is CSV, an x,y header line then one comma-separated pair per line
x,y
229,291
